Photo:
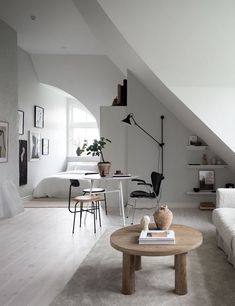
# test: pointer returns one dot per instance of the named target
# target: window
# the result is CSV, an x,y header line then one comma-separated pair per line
x,y
82,127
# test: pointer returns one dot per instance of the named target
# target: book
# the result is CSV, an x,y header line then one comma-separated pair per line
x,y
157,237
207,206
121,175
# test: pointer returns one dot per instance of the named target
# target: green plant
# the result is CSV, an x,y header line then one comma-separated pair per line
x,y
80,150
96,148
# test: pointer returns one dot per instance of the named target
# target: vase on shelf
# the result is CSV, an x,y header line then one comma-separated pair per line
x,y
204,160
213,161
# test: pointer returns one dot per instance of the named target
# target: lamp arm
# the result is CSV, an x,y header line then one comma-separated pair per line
x,y
160,144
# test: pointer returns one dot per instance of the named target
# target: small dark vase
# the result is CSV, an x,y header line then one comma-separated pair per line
x,y
163,217
78,151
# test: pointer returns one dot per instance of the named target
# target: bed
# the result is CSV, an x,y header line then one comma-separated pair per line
x,y
58,185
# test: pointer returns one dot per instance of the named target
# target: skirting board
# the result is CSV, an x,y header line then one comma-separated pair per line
x,y
27,198
169,204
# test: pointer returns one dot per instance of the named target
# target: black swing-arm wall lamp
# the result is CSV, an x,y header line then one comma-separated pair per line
x,y
160,143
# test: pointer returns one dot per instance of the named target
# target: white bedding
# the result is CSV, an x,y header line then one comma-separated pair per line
x,y
58,185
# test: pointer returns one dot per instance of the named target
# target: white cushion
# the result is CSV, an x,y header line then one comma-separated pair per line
x,y
225,197
82,166
224,221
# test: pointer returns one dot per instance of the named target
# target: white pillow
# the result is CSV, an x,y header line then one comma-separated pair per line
x,y
86,166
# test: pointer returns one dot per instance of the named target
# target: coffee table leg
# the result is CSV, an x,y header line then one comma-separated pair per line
x,y
180,274
128,274
137,262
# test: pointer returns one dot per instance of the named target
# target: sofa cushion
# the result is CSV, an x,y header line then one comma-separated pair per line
x,y
224,221
225,197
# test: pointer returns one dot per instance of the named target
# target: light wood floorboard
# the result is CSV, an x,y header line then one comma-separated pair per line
x,y
39,254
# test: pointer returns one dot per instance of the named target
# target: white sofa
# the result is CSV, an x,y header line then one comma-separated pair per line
x,y
223,218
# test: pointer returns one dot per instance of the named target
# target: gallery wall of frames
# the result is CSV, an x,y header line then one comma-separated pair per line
x,y
29,150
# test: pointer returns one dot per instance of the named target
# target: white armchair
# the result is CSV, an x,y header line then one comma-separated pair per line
x,y
225,197
223,218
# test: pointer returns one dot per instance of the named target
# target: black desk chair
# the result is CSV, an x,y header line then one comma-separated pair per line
x,y
152,191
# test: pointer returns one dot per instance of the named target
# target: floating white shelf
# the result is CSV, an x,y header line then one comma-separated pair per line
x,y
197,148
207,166
201,193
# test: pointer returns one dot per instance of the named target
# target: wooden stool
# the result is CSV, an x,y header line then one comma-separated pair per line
x,y
96,191
92,207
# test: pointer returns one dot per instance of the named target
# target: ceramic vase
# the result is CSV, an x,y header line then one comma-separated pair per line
x,y
163,217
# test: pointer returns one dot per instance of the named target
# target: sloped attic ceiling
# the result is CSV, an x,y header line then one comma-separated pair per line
x,y
126,52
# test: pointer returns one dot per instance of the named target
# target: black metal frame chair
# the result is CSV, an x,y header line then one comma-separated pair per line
x,y
152,191
97,190
79,201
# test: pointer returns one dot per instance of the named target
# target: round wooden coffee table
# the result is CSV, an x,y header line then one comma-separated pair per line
x,y
126,241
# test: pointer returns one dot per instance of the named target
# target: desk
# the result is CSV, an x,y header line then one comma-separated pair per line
x,y
119,179
96,177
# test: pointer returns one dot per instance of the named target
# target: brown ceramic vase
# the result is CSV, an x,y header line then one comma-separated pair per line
x,y
163,217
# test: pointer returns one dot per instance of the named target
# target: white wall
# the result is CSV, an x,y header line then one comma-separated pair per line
x,y
31,93
193,57
213,105
116,151
123,35
184,42
8,100
91,79
143,153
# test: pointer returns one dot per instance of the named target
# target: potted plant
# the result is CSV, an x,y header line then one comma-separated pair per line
x,y
80,150
96,149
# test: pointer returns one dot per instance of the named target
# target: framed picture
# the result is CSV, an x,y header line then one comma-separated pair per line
x,y
34,145
3,141
23,164
38,116
21,122
207,180
45,146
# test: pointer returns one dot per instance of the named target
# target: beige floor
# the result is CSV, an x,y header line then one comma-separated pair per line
x,y
39,255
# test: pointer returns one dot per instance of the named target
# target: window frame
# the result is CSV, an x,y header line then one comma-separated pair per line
x,y
71,125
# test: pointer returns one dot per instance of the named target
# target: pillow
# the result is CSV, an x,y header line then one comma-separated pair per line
x,y
86,166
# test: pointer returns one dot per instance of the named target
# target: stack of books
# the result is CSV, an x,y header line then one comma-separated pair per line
x,y
207,206
157,237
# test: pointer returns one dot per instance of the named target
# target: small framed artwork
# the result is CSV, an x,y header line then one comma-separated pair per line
x,y
3,141
34,145
23,165
45,146
38,116
206,180
21,122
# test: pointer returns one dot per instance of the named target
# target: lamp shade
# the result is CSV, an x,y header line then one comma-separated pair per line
x,y
128,119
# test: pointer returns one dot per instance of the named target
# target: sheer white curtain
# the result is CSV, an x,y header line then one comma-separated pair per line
x,y
10,201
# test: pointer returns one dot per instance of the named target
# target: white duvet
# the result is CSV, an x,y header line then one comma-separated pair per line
x,y
58,185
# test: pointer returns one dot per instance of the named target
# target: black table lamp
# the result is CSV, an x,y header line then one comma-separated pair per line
x,y
130,118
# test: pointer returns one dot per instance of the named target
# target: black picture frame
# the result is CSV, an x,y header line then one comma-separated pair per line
x,y
34,146
23,162
21,122
206,180
4,127
38,117
45,146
